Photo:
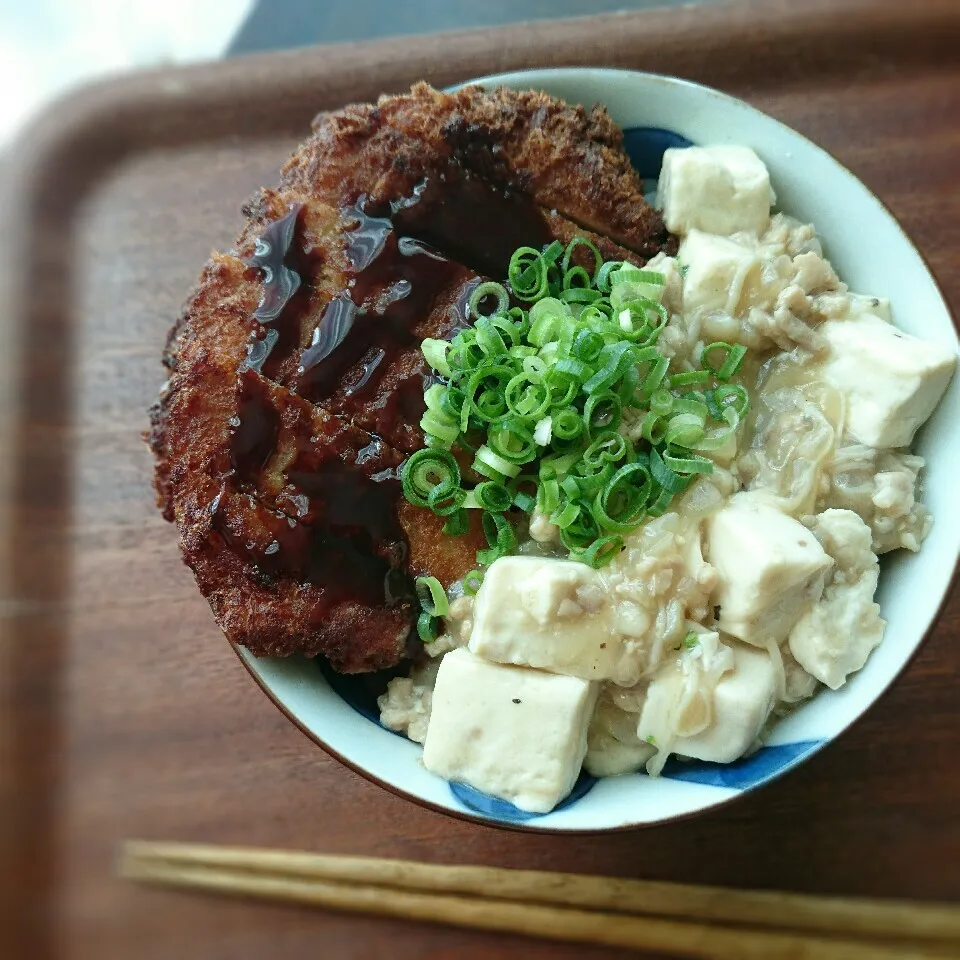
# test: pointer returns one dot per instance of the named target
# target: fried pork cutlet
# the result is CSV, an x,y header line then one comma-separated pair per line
x,y
296,377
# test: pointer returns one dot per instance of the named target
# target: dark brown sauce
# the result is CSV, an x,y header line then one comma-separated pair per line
x,y
340,560
369,369
259,349
286,263
472,222
394,284
280,281
371,450
254,430
399,272
337,526
351,503
334,525
461,309
404,404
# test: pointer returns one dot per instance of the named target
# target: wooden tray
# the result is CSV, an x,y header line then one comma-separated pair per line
x,y
126,713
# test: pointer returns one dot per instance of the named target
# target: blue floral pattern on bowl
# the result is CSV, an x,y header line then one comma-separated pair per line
x,y
503,810
646,146
360,691
745,773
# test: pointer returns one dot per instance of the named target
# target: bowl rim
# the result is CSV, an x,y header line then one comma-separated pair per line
x,y
539,76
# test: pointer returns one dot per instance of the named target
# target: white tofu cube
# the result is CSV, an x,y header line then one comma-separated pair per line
x,y
717,269
742,700
516,733
860,304
835,637
892,381
550,614
770,568
671,296
720,190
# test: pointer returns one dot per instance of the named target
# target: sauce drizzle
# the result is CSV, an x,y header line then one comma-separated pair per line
x,y
270,250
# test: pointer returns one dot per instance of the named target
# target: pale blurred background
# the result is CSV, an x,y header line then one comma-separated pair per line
x,y
50,46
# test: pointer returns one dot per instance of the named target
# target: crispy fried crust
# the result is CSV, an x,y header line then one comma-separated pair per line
x,y
434,553
566,157
281,472
279,615
232,503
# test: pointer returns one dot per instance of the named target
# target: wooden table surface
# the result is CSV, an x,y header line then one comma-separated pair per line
x,y
125,712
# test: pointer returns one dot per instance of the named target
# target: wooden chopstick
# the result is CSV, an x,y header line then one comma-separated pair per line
x,y
609,911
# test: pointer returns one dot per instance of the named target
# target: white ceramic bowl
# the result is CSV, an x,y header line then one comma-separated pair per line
x,y
873,255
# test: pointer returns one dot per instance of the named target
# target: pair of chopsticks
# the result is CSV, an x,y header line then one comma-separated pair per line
x,y
711,923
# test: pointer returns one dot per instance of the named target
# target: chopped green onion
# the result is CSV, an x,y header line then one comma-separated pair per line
x,y
567,424
537,395
493,496
602,280
579,295
685,430
732,395
524,501
602,411
445,502
565,515
589,245
609,447
615,358
484,290
527,396
494,466
500,536
654,427
661,402
432,596
601,551
688,378
576,278
512,440
472,583
548,496
732,355
621,503
428,628
426,471
631,274
435,353
458,523
687,465
670,480
527,272
439,427
581,533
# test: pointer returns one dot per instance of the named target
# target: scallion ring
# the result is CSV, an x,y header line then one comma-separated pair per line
x,y
426,471
428,628
432,596
601,551
472,583
457,524
500,537
592,275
